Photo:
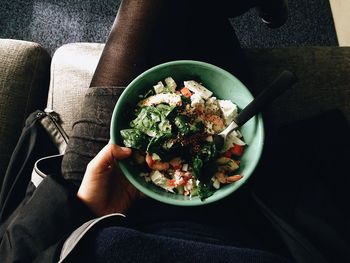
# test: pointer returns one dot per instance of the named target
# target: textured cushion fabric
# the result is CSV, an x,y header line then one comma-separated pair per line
x,y
24,81
72,68
324,81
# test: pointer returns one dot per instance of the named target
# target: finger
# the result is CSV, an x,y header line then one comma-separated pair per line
x,y
106,157
119,152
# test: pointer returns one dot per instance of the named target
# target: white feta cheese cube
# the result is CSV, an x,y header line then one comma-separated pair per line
x,y
197,101
216,184
159,87
195,87
229,110
170,84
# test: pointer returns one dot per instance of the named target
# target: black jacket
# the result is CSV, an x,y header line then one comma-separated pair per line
x,y
43,223
35,229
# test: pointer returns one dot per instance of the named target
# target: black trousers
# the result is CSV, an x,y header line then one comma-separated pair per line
x,y
295,204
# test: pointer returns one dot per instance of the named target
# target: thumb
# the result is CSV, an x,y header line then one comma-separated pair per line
x,y
118,152
109,153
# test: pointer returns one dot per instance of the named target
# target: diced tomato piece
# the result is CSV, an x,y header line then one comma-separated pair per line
x,y
149,160
228,153
182,181
233,178
171,182
186,92
237,150
177,167
187,177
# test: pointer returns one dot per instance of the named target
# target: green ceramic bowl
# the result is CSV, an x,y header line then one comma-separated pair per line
x,y
224,86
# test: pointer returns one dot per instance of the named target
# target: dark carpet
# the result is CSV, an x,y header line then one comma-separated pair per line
x,y
56,22
310,23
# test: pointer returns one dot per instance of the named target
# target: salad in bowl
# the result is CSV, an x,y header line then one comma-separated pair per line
x,y
172,137
168,116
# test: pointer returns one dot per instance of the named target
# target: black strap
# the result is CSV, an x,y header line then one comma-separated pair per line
x,y
41,136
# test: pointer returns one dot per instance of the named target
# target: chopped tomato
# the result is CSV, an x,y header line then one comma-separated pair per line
x,y
233,178
149,160
171,182
237,150
176,167
182,181
228,153
186,92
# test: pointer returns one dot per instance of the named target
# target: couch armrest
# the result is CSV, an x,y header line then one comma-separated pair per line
x,y
24,79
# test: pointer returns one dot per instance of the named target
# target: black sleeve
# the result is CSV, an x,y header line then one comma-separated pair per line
x,y
40,227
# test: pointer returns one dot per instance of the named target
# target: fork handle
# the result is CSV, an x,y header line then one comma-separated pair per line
x,y
283,82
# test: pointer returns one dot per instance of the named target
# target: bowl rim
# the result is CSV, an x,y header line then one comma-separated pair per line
x,y
190,202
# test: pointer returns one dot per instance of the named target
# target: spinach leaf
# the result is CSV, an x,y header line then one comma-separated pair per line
x,y
182,123
134,138
158,145
152,120
197,127
165,109
203,163
205,190
208,151
197,165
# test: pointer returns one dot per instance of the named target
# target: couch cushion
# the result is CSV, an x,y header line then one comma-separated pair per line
x,y
24,81
72,68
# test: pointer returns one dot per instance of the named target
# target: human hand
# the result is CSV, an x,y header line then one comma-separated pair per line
x,y
104,188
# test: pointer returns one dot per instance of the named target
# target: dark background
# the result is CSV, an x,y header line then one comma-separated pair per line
x,y
56,22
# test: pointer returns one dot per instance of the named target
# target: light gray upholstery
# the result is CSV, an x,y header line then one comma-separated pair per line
x,y
72,68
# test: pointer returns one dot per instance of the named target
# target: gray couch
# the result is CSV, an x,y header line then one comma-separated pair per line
x,y
24,80
30,79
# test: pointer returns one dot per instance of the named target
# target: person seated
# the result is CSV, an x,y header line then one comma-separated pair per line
x,y
89,212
